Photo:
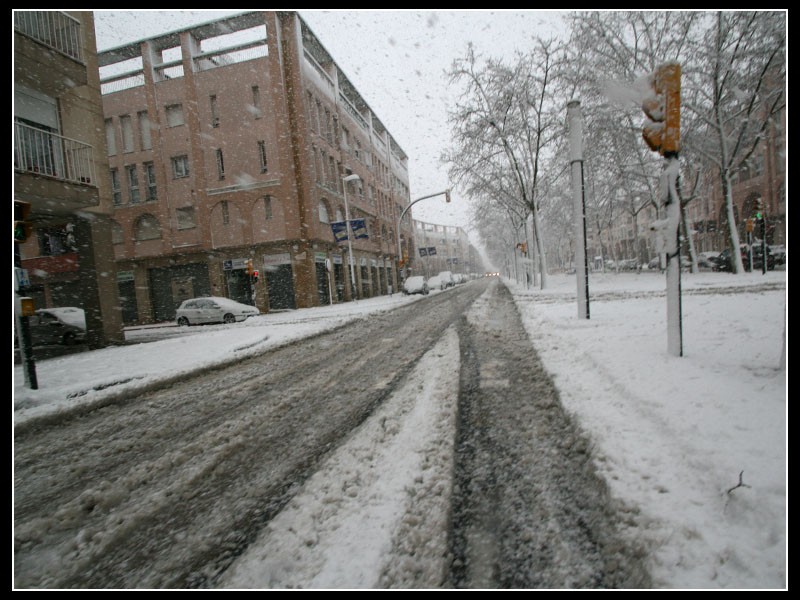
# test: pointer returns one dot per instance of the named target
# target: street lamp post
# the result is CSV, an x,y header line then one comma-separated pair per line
x,y
346,180
400,220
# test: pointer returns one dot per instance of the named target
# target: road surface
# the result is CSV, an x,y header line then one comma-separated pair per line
x,y
169,488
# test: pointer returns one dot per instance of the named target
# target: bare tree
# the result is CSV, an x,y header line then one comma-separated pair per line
x,y
503,125
734,93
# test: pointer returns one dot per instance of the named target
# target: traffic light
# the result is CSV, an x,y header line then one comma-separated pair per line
x,y
22,227
447,196
662,128
758,210
255,275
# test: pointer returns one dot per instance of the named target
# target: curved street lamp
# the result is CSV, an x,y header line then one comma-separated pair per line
x,y
400,220
346,179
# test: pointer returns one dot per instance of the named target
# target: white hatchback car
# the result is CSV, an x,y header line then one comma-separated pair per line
x,y
415,285
213,309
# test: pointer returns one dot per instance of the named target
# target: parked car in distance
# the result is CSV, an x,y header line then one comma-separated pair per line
x,y
415,285
213,309
435,283
447,278
63,325
779,252
629,264
707,260
725,262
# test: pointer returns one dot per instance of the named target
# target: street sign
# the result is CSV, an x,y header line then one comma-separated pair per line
x,y
22,278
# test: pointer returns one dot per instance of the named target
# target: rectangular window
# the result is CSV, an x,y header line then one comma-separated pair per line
x,y
220,164
180,166
174,115
256,101
127,133
111,139
116,192
226,217
262,155
328,127
267,207
185,218
133,184
214,114
144,130
150,174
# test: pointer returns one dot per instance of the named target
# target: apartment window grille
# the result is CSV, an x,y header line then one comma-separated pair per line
x,y
262,156
152,189
214,111
133,184
220,164
116,192
180,166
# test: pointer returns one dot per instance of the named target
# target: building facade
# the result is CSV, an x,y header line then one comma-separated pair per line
x,y
760,185
228,145
61,170
442,248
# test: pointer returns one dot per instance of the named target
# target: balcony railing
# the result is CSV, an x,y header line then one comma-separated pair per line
x,y
45,153
55,29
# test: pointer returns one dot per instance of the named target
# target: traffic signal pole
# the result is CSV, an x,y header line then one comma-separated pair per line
x,y
662,133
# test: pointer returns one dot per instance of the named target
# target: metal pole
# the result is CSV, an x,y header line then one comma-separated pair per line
x,y
673,247
400,220
353,289
579,206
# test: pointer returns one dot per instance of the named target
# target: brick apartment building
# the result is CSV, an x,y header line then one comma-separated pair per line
x,y
443,248
61,171
229,142
761,182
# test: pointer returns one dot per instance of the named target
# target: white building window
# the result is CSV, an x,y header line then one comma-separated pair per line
x,y
111,138
144,130
174,115
214,111
180,166
127,133
185,217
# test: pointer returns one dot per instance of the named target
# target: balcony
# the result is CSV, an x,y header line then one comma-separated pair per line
x,y
48,52
56,29
53,161
45,153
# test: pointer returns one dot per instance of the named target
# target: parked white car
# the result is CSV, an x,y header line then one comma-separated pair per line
x,y
213,309
447,278
436,283
415,285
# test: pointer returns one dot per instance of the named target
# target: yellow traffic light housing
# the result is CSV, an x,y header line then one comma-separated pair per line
x,y
662,129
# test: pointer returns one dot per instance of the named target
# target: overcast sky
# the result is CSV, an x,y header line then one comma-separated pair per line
x,y
396,59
